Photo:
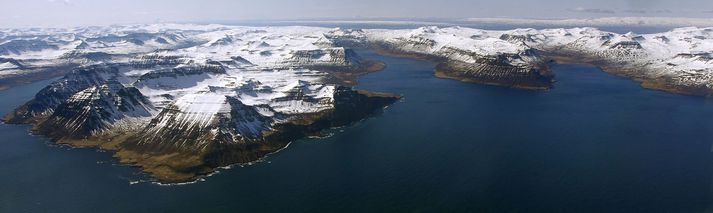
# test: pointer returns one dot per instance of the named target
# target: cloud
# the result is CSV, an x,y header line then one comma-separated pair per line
x,y
642,3
636,11
663,11
65,2
592,10
641,11
611,11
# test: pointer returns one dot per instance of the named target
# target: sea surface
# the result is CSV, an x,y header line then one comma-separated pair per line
x,y
594,143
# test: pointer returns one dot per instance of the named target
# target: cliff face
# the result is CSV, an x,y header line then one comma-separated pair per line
x,y
496,69
525,77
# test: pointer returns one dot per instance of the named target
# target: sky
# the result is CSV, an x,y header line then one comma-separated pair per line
x,y
63,13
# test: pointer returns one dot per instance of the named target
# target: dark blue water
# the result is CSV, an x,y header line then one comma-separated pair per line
x,y
594,143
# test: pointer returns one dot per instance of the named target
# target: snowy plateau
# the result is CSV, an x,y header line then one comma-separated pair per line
x,y
181,100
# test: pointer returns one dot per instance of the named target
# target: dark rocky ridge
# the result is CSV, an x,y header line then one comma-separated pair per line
x,y
93,109
59,92
498,75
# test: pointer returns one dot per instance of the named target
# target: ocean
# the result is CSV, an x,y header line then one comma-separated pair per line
x,y
594,143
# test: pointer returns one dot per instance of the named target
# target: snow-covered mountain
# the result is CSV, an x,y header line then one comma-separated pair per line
x,y
677,61
181,100
473,55
214,95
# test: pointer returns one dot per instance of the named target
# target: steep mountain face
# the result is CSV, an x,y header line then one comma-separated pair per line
x,y
93,110
60,91
493,71
83,104
324,57
180,101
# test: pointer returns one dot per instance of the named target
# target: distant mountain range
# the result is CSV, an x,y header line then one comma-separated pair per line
x,y
602,22
570,22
